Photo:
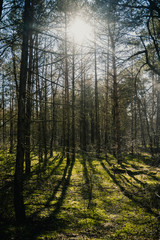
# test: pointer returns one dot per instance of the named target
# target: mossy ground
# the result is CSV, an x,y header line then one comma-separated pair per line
x,y
86,199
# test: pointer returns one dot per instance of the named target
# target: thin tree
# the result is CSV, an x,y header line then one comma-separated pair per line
x,y
116,115
21,136
73,102
97,130
107,102
1,8
28,100
67,108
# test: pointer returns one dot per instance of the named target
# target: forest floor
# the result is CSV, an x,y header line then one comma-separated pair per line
x,y
86,199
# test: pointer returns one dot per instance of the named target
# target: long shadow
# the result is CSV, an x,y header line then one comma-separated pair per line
x,y
87,191
60,183
64,190
47,176
95,172
40,170
40,181
34,224
129,194
153,161
51,222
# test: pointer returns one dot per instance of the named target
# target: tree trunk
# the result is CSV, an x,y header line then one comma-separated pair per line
x,y
1,8
158,123
73,103
83,142
106,113
3,107
53,124
67,108
45,133
97,130
28,110
116,115
11,122
21,134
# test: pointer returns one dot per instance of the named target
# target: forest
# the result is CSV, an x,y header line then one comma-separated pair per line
x,y
79,119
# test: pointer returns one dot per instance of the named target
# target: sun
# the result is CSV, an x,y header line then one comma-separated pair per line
x,y
79,30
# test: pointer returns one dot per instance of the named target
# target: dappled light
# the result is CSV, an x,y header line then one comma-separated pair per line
x,y
79,120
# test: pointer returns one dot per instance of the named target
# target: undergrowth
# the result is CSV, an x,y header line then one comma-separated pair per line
x,y
86,199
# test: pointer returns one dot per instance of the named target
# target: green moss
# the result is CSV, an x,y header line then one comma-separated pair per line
x,y
93,200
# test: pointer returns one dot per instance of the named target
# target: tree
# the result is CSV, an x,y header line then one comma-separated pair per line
x,y
1,8
21,136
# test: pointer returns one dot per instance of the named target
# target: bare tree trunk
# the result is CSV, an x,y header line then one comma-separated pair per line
x,y
132,111
106,113
21,134
83,142
141,124
14,70
53,124
116,115
63,124
135,113
158,123
67,108
3,107
97,130
1,8
92,128
38,104
153,111
11,121
148,128
45,133
28,110
73,103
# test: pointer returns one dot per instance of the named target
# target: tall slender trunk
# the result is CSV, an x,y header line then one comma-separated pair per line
x,y
141,124
28,109
3,107
53,124
106,113
45,133
1,8
158,122
63,124
135,113
116,115
73,102
67,108
38,103
21,134
132,111
83,142
153,110
11,121
132,126
148,127
97,130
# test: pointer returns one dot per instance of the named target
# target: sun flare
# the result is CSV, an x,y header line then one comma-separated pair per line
x,y
80,30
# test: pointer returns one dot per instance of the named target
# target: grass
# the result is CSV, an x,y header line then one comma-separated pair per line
x,y
87,199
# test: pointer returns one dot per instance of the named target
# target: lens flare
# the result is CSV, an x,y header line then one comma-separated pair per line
x,y
80,30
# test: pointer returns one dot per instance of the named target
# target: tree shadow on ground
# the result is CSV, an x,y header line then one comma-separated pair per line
x,y
87,189
143,194
32,184
51,222
35,224
150,161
